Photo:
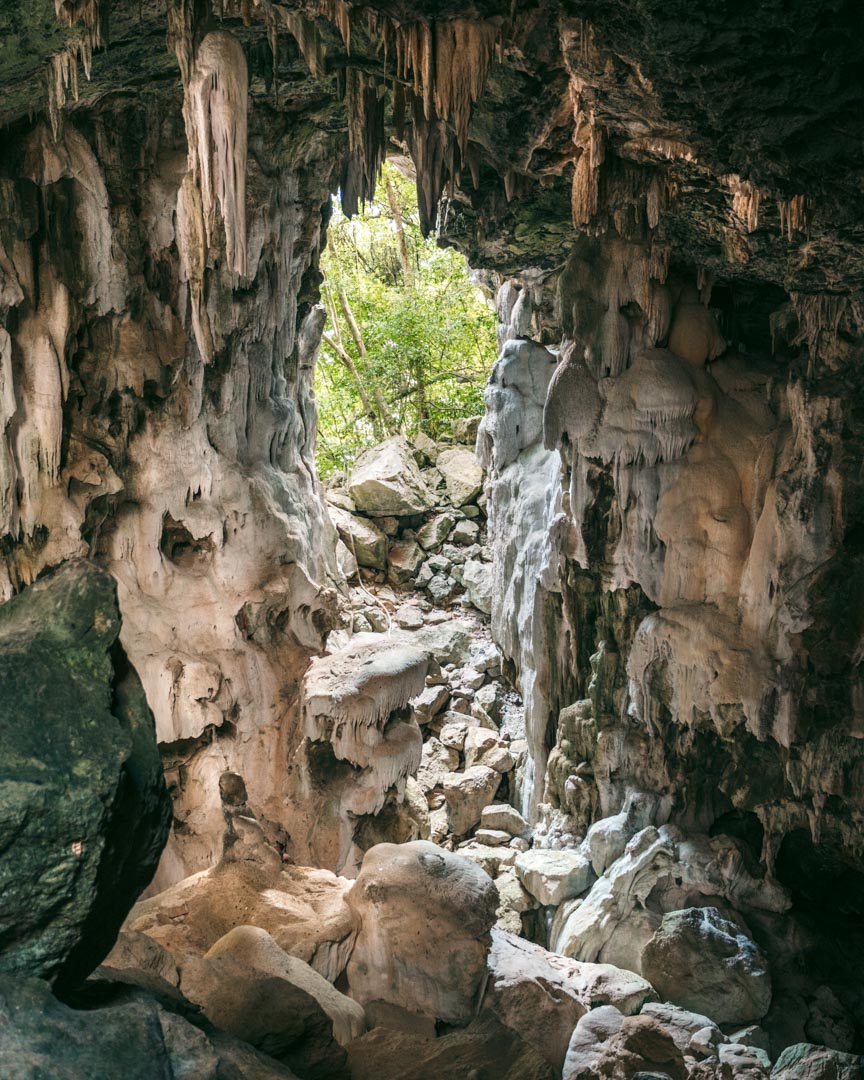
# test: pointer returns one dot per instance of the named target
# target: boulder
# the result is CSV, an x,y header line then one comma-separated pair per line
x,y
254,947
682,1024
477,579
386,481
137,952
270,1013
404,559
506,817
130,1035
362,538
423,917
467,793
408,616
302,908
429,702
436,530
462,474
449,642
485,747
703,961
84,812
484,1050
437,762
554,876
804,1061
606,1043
542,996
465,532
345,561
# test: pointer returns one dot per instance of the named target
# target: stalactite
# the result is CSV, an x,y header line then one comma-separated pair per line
x,y
745,202
793,216
367,140
215,115
586,179
92,17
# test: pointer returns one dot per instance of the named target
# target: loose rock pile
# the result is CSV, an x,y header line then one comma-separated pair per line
x,y
414,515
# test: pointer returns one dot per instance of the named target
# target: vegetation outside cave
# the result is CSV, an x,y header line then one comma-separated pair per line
x,y
410,336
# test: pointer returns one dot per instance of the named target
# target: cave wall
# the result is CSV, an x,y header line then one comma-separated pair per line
x,y
158,411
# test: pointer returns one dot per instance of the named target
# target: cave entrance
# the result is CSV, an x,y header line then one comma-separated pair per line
x,y
410,333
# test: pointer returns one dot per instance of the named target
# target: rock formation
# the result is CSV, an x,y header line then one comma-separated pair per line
x,y
652,781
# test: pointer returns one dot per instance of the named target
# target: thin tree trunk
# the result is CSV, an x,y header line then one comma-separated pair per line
x,y
396,214
383,411
346,359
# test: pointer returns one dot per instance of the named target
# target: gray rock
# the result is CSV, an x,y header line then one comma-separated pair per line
x,y
133,1035
360,624
430,702
439,564
84,812
337,497
428,447
472,679
436,530
385,481
362,538
804,1061
345,561
437,762
462,474
441,588
508,818
702,961
554,876
377,619
408,616
449,641
467,793
465,532
478,579
403,561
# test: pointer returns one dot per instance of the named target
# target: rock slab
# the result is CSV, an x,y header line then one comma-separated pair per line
x,y
84,812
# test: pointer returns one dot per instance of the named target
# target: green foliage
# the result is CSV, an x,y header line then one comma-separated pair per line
x,y
425,334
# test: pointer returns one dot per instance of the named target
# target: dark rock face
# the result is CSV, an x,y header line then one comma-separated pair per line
x,y
130,1035
85,811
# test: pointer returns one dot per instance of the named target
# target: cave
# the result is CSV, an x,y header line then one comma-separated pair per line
x,y
522,747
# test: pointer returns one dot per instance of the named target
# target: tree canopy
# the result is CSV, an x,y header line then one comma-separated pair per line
x,y
410,338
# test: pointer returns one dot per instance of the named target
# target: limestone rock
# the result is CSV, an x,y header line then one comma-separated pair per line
x,y
404,559
683,1024
804,1061
138,952
449,642
436,530
465,532
303,909
704,962
424,916
554,876
462,474
542,996
503,816
385,480
362,538
125,1036
484,747
477,578
437,762
255,948
467,793
485,1048
275,1015
84,808
605,1041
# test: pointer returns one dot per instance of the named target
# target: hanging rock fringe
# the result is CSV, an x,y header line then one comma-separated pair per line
x,y
92,16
